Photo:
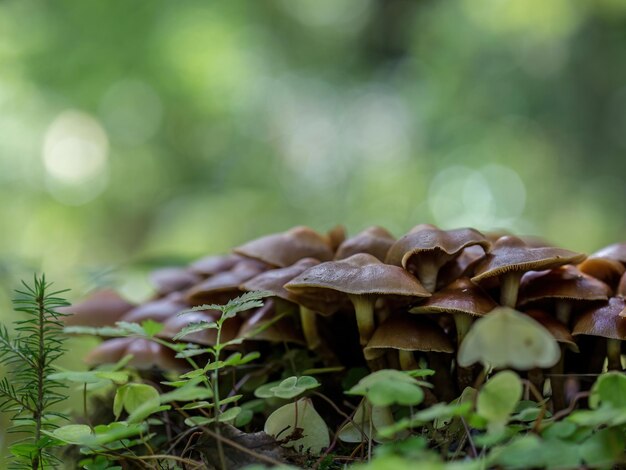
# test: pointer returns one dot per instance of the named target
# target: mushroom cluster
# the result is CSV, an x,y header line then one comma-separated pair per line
x,y
385,302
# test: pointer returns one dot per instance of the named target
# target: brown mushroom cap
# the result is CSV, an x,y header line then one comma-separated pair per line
x,y
621,288
284,249
146,354
564,283
511,254
373,240
360,274
407,333
159,310
222,287
616,251
554,326
603,321
336,236
605,269
428,238
274,280
167,280
210,265
281,331
208,337
460,266
102,308
462,296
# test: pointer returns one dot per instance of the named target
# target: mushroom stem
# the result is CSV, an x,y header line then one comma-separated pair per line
x,y
563,311
407,360
308,318
444,387
557,383
614,354
427,270
509,286
463,322
364,309
392,359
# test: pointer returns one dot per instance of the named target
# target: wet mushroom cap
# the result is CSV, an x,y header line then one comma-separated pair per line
x,y
146,354
462,296
284,249
563,283
554,326
167,280
373,240
511,254
616,251
407,333
603,321
429,238
605,269
360,274
102,308
223,286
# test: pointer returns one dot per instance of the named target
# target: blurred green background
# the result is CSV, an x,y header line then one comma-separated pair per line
x,y
137,133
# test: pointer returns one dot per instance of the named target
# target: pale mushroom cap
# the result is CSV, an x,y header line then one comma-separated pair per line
x,y
512,254
616,251
554,326
146,354
167,280
210,265
284,249
223,286
102,308
159,310
407,333
373,240
431,239
462,296
605,269
563,283
603,321
360,274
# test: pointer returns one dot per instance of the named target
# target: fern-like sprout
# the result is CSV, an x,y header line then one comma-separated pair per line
x,y
27,392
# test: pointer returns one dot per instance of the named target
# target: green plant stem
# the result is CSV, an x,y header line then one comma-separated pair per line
x,y
41,367
216,393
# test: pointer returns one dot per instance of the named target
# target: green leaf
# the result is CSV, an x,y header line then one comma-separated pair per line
x,y
131,396
131,328
603,448
386,387
301,419
225,417
152,328
187,393
498,398
609,390
291,387
508,338
194,328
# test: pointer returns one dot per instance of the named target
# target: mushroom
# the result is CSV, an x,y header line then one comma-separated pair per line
x,y
563,336
606,321
284,249
463,299
224,286
565,285
407,334
362,278
278,332
373,240
206,337
168,280
621,287
605,269
511,257
336,236
146,354
102,308
426,249
211,265
274,280
159,310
